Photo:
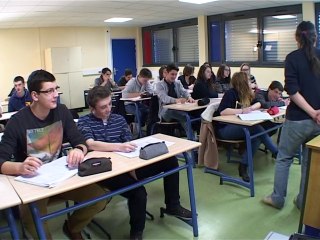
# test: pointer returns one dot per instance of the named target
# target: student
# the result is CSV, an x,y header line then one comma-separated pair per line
x,y
125,78
105,80
203,87
21,96
237,100
134,88
222,83
171,91
34,136
272,97
302,83
187,79
213,76
245,67
105,131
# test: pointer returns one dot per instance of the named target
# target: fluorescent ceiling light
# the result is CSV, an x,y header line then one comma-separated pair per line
x,y
284,16
197,1
117,20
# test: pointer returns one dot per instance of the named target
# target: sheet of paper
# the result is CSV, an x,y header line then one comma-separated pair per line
x,y
283,107
50,174
141,143
255,115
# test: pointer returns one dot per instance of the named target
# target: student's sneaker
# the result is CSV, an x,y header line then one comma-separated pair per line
x,y
136,235
69,234
180,212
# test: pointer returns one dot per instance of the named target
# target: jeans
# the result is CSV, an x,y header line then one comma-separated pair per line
x,y
179,116
137,198
235,132
293,134
143,112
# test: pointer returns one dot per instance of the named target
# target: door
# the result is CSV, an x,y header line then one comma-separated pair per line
x,y
123,56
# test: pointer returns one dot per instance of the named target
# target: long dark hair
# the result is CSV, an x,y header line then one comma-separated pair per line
x,y
306,37
201,75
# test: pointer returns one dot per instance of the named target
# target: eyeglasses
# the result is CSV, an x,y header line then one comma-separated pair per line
x,y
245,69
50,90
228,70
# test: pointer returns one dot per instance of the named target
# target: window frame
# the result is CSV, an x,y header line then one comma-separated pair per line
x,y
174,26
317,14
257,13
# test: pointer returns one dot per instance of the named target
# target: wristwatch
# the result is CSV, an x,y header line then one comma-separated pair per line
x,y
80,147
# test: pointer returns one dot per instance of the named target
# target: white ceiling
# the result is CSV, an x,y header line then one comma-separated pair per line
x,y
91,13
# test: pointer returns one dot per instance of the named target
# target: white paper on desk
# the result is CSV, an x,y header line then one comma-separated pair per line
x,y
50,174
255,115
283,107
141,143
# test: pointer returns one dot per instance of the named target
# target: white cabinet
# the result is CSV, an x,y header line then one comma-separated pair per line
x,y
66,66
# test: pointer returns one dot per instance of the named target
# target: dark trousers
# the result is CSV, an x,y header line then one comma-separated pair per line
x,y
137,198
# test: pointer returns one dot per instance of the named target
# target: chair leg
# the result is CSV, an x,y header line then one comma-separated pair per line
x,y
150,216
101,228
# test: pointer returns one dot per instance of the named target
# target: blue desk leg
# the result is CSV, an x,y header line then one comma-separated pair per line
x,y
191,194
12,224
37,220
250,160
138,119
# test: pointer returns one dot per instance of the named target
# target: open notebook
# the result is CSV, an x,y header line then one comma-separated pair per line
x,y
50,174
255,115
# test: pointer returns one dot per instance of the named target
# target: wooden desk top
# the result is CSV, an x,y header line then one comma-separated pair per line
x,y
120,164
9,197
236,120
135,99
6,116
314,143
188,107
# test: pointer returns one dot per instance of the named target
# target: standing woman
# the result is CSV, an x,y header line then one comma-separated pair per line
x,y
245,67
302,83
237,100
222,83
203,87
105,80
187,79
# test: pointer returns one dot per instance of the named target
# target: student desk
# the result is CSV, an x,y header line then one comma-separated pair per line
x,y
9,198
135,101
7,116
234,119
189,107
310,212
120,164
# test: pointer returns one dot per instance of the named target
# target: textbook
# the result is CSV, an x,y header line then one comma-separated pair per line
x,y
50,174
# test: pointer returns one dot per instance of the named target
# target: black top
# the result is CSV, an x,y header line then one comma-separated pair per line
x,y
300,78
182,79
202,89
221,85
26,135
171,91
122,81
262,98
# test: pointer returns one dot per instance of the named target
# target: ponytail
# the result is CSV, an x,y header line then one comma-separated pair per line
x,y
306,37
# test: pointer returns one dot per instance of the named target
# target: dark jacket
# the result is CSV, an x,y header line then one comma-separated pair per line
x,y
16,103
202,89
262,98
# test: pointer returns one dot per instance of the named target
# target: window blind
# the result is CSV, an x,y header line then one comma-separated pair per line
x,y
188,47
162,46
278,35
241,37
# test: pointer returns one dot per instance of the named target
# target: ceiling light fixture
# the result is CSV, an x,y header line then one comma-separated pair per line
x,y
117,20
197,1
284,17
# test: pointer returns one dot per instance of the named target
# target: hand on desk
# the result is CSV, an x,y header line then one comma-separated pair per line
x,y
75,157
127,147
30,166
246,110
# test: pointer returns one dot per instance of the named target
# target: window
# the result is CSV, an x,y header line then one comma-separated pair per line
x,y
278,36
241,37
262,37
177,43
